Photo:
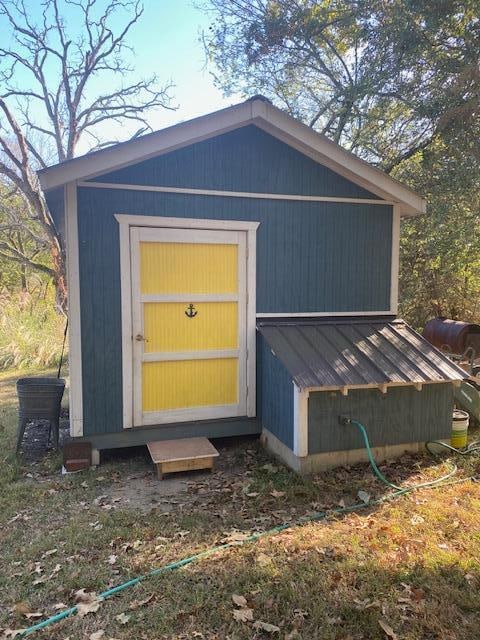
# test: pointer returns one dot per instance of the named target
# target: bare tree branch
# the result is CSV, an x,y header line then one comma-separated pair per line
x,y
47,102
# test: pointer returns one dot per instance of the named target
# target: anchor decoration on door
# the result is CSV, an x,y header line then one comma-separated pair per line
x,y
191,312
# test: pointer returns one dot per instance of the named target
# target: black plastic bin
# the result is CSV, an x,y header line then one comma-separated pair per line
x,y
39,399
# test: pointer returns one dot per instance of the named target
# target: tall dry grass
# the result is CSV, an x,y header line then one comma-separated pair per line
x,y
31,330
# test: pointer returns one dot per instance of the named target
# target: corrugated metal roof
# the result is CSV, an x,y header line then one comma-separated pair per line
x,y
350,353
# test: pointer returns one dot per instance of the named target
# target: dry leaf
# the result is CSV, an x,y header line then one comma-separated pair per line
x,y
389,632
35,615
136,604
123,618
277,494
333,620
21,608
12,633
81,595
39,580
416,519
243,615
96,635
263,560
84,608
266,626
364,496
240,601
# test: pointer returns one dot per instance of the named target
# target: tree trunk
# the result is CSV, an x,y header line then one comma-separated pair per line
x,y
60,277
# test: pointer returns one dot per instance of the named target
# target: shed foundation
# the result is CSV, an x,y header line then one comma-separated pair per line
x,y
323,461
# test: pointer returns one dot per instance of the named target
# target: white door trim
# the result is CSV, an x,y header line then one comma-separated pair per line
x,y
126,222
185,223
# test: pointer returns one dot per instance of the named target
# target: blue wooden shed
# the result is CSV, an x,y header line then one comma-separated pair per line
x,y
237,274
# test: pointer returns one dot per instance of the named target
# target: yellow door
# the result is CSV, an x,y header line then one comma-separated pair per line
x,y
189,321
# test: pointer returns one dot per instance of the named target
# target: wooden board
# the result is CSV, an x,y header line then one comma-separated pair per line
x,y
184,454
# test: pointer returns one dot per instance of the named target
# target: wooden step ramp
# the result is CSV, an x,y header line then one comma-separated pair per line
x,y
184,454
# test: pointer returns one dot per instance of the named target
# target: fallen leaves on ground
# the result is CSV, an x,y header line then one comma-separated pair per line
x,y
240,601
122,618
86,602
389,632
243,615
266,626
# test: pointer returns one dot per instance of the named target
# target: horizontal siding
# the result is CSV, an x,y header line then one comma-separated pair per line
x,y
311,256
275,395
246,159
400,416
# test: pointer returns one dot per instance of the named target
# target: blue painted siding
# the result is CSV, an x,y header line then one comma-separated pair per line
x,y
246,159
400,416
56,205
275,395
311,256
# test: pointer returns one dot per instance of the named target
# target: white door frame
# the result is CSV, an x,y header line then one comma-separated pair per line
x,y
126,222
204,236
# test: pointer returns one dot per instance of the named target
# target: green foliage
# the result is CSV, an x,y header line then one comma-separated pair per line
x,y
440,252
31,330
398,83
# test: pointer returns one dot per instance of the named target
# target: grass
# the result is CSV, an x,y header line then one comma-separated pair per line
x,y
408,569
31,330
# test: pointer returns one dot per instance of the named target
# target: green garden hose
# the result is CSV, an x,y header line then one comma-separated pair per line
x,y
473,447
321,515
380,475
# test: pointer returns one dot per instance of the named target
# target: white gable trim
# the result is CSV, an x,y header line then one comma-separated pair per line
x,y
231,194
346,164
258,112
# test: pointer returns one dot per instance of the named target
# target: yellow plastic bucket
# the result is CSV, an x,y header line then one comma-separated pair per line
x,y
459,429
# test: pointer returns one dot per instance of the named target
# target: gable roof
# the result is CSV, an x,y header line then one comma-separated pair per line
x,y
257,111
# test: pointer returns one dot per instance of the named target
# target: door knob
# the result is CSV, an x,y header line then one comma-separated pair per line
x,y
140,338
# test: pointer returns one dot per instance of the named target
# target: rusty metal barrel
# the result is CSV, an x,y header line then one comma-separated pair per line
x,y
453,335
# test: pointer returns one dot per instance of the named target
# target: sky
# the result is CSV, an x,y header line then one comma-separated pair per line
x,y
167,42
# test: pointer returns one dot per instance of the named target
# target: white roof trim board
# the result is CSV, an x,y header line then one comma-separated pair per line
x,y
257,111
